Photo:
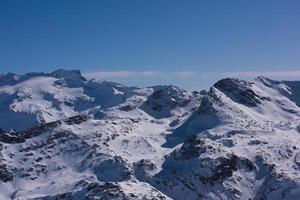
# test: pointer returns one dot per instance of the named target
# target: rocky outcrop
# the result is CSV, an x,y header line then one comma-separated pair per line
x,y
164,99
240,91
21,136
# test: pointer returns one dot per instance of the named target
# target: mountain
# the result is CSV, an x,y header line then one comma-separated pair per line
x,y
65,137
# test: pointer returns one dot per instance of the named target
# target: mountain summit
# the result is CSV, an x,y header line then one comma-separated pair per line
x,y
65,137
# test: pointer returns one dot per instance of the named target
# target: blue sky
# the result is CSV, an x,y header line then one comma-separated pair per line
x,y
148,42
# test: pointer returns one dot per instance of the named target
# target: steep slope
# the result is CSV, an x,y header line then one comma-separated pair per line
x,y
84,139
60,160
243,144
40,97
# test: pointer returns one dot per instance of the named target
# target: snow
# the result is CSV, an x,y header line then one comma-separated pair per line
x,y
159,142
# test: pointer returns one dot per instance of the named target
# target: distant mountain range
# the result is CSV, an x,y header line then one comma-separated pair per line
x,y
65,137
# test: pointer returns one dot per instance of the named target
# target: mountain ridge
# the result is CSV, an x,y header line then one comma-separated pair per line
x,y
82,139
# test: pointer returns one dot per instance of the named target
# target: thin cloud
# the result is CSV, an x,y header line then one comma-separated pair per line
x,y
150,73
127,74
120,74
136,74
271,74
186,74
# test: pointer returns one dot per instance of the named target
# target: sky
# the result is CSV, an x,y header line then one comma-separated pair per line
x,y
190,43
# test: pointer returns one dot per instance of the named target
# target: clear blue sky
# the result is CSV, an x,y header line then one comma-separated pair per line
x,y
142,42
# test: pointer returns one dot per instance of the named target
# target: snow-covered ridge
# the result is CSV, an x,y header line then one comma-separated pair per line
x,y
65,137
11,78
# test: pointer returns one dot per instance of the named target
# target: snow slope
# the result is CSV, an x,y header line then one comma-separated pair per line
x,y
82,139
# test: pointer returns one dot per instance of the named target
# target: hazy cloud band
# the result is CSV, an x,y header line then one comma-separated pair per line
x,y
189,74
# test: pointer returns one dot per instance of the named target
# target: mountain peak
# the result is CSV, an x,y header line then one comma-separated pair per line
x,y
68,74
239,91
267,81
102,140
72,77
8,79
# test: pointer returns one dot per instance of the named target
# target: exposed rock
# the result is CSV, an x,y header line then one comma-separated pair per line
x,y
5,174
162,142
240,91
72,77
164,99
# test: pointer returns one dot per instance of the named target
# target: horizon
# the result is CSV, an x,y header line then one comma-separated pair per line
x,y
143,43
150,99
108,76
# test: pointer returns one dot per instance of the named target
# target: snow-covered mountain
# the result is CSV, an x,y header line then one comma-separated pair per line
x,y
65,137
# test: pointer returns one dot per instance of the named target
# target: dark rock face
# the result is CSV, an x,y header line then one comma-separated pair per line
x,y
19,137
298,128
228,142
145,164
5,174
297,161
7,138
275,184
239,91
191,167
295,88
78,119
204,118
206,107
91,191
220,167
257,142
112,170
193,148
224,168
104,191
126,107
142,167
163,100
73,78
